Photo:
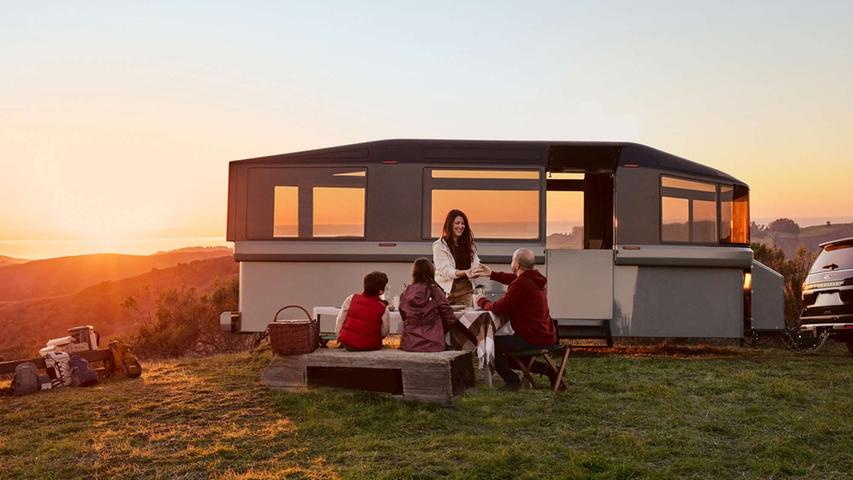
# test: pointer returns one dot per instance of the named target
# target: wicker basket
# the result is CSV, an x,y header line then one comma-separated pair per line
x,y
294,337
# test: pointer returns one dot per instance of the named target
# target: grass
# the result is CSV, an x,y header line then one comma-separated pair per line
x,y
634,413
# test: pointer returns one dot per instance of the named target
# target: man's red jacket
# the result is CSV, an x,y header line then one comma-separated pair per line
x,y
526,304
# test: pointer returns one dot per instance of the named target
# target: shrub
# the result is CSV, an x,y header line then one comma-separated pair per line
x,y
186,322
794,271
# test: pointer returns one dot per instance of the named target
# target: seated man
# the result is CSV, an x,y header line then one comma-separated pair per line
x,y
364,319
526,304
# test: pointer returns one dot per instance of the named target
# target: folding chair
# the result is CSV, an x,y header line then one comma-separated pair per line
x,y
545,353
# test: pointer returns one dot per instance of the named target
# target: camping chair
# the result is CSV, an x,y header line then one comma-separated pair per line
x,y
545,353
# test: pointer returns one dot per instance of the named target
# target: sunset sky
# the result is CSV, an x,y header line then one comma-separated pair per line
x,y
117,119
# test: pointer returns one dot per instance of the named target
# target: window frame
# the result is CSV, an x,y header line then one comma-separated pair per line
x,y
308,214
661,196
428,184
735,189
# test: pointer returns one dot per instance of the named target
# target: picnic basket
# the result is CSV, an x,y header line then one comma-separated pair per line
x,y
294,337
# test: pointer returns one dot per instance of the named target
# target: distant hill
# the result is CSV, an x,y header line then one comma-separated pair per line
x,y
808,237
4,261
66,275
28,324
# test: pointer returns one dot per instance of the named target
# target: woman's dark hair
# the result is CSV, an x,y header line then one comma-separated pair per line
x,y
374,282
423,271
463,249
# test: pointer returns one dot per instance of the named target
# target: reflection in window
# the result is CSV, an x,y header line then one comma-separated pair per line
x,y
564,223
500,204
688,211
312,202
675,219
704,226
481,174
734,214
672,182
338,212
492,213
285,212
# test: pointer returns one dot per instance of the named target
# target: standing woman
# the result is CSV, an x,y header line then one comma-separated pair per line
x,y
455,258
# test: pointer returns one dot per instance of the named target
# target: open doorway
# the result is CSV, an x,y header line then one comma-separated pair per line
x,y
579,233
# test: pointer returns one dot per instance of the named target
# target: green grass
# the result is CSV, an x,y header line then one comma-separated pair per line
x,y
713,413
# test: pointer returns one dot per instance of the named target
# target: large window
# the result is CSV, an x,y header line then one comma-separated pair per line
x,y
500,204
320,202
703,212
688,211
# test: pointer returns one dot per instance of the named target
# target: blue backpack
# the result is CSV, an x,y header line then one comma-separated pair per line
x,y
26,379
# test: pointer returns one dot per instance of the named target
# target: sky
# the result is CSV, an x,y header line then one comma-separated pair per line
x,y
118,119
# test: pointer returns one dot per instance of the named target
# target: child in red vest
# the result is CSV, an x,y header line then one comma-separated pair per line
x,y
364,319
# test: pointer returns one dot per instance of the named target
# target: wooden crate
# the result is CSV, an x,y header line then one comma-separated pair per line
x,y
437,377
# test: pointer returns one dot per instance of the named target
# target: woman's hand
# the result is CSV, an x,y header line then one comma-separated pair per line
x,y
484,271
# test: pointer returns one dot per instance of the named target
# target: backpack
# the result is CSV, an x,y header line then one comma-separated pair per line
x,y
26,379
124,359
82,374
58,367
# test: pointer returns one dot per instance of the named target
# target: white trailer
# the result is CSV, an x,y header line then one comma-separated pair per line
x,y
652,244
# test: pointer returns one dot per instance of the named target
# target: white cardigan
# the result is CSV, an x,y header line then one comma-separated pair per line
x,y
445,265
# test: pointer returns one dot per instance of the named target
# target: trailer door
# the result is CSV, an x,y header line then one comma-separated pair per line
x,y
579,245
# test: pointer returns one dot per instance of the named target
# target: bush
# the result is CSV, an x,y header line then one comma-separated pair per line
x,y
186,322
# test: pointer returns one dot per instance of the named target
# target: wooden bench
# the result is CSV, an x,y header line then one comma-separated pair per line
x,y
437,377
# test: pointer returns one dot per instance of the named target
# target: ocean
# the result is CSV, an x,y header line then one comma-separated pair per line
x,y
38,249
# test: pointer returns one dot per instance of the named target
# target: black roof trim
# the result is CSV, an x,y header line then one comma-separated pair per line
x,y
534,152
839,241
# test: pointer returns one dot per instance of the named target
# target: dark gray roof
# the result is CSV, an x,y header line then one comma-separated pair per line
x,y
488,151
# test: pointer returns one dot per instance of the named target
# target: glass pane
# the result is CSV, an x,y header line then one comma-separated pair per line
x,y
704,221
672,182
500,174
566,176
674,219
492,213
359,173
285,212
834,257
726,206
740,216
338,212
564,221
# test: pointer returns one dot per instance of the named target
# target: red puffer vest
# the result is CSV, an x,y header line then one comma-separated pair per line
x,y
362,329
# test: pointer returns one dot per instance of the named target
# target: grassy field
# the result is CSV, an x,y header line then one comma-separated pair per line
x,y
632,413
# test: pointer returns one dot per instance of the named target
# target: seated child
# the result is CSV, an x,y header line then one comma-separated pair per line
x,y
364,319
425,311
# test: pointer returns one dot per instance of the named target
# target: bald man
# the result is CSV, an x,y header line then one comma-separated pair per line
x,y
526,304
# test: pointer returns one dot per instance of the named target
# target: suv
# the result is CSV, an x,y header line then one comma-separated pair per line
x,y
828,293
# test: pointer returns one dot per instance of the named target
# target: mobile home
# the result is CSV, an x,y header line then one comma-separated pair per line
x,y
655,244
